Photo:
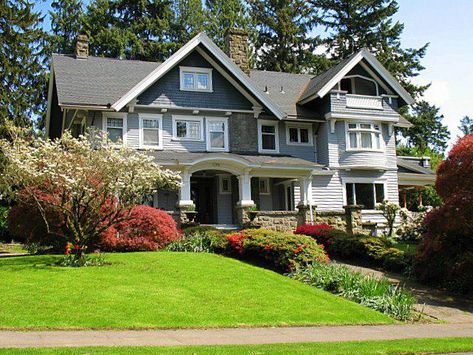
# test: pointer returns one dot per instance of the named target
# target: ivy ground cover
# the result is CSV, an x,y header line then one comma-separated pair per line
x,y
163,290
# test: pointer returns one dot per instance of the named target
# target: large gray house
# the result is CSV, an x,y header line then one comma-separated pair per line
x,y
244,140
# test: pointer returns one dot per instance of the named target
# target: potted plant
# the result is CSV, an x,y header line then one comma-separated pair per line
x,y
252,213
190,213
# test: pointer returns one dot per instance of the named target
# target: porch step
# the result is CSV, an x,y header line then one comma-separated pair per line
x,y
224,227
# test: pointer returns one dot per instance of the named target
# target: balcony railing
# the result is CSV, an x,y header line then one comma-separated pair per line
x,y
364,101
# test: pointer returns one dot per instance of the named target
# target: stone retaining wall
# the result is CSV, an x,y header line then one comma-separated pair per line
x,y
283,221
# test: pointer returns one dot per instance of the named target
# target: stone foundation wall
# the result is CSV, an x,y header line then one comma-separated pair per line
x,y
337,220
282,221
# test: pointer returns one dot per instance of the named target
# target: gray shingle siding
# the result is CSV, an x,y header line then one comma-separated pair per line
x,y
166,91
243,133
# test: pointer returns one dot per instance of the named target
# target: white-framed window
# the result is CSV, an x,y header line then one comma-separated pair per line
x,y
264,186
299,134
151,131
365,192
363,136
217,134
188,128
115,126
196,79
268,136
225,184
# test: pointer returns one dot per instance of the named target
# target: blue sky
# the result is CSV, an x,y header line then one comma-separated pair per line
x,y
448,26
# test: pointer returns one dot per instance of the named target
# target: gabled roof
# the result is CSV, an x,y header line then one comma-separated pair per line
x,y
225,61
96,81
320,85
413,167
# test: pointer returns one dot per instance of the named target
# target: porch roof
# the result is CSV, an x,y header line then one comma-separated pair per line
x,y
412,174
176,158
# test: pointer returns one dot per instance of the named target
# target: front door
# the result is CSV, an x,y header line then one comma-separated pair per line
x,y
203,193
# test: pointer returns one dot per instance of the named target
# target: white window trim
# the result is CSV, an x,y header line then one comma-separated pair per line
x,y
268,187
307,126
195,70
176,118
220,184
358,136
120,115
346,181
260,138
156,117
225,133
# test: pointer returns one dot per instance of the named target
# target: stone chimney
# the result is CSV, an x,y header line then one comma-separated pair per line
x,y
236,47
82,47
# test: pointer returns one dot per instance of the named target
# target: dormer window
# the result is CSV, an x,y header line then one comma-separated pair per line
x,y
196,79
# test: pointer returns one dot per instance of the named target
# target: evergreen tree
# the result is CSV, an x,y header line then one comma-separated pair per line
x,y
189,20
284,42
428,132
225,14
466,125
356,24
22,69
130,29
66,23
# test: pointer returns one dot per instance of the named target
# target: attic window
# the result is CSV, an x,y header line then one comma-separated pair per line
x,y
196,79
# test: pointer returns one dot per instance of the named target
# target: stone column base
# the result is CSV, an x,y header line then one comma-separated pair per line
x,y
304,214
353,219
244,218
186,215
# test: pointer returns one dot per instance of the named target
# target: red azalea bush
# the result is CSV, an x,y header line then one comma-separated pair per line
x,y
280,251
445,253
321,232
147,229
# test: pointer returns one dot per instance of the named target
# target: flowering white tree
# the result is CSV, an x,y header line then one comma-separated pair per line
x,y
87,181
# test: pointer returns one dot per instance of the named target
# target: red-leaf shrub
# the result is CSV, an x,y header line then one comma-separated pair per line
x,y
147,229
280,251
445,253
318,231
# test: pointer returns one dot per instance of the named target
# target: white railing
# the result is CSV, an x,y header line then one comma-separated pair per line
x,y
364,101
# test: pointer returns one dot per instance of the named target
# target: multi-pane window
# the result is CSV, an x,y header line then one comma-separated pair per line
x,y
361,136
365,194
225,185
196,79
217,135
188,129
268,132
115,129
150,132
299,135
264,186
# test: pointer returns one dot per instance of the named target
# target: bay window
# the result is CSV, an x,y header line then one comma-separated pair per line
x,y
217,134
268,137
365,194
363,136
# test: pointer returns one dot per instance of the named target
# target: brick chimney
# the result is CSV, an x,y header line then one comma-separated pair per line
x,y
236,47
82,47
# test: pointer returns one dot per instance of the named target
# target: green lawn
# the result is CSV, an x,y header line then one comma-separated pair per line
x,y
407,346
406,247
163,290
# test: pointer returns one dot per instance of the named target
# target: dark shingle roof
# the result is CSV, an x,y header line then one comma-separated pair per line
x,y
321,80
95,80
292,86
412,166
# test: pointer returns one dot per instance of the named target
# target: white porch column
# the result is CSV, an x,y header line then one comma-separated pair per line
x,y
305,186
185,190
244,184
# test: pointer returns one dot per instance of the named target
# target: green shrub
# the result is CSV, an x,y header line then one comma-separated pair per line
x,y
199,241
280,251
369,291
198,229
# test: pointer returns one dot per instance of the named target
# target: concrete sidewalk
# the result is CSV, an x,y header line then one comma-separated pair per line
x,y
16,339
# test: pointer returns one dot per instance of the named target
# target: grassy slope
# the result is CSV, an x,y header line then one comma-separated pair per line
x,y
410,346
163,290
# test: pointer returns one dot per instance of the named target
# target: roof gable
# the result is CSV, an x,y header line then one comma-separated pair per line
x,y
202,40
320,85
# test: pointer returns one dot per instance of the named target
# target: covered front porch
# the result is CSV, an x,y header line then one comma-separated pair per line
x,y
227,189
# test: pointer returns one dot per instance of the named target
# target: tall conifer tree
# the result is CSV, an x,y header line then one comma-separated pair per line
x,y
189,19
284,41
66,23
22,63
